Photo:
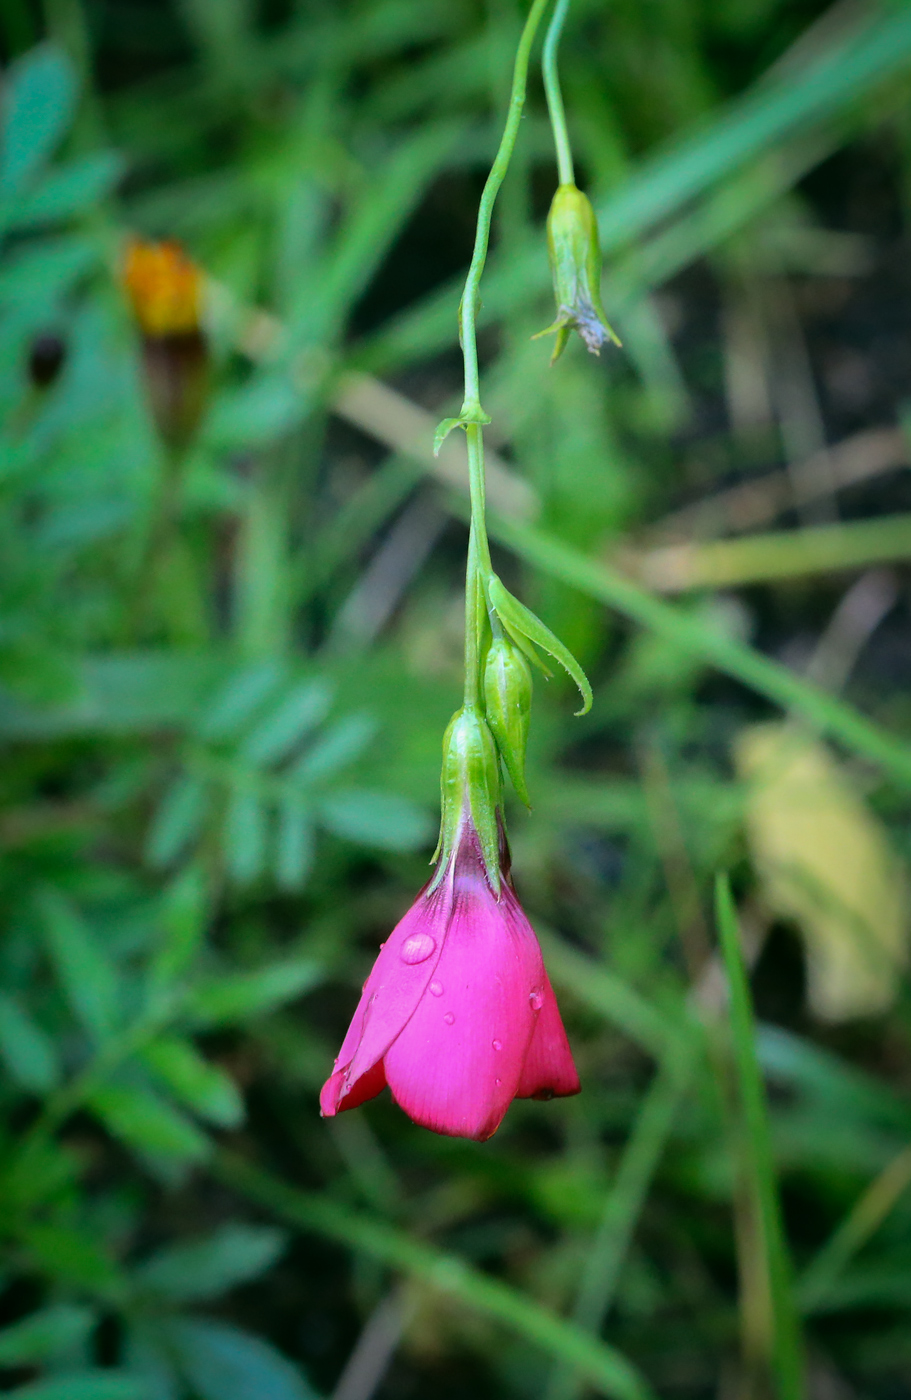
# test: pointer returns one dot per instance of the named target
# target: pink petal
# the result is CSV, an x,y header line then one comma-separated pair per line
x,y
456,1065
549,1071
390,994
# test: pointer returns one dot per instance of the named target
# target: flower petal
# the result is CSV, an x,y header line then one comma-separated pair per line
x,y
456,1064
391,993
549,1071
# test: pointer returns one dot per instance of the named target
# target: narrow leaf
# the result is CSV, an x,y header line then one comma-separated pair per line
x,y
178,821
244,835
220,1361
375,819
294,847
38,106
85,974
45,1333
194,1082
757,1146
27,1052
275,736
145,1122
520,622
207,1268
241,995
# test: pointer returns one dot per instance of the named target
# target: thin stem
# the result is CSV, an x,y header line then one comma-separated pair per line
x,y
469,307
555,96
479,567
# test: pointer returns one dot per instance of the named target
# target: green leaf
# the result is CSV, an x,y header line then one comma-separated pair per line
x,y
375,819
68,191
178,821
295,845
754,1135
83,1385
85,974
244,835
38,106
521,623
221,1361
207,1268
238,996
27,1052
183,918
145,1122
280,732
46,1333
343,742
194,1082
72,1256
235,704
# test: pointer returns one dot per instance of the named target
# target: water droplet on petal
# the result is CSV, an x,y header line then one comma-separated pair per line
x,y
382,946
498,1081
436,989
417,948
536,998
449,1018
498,1045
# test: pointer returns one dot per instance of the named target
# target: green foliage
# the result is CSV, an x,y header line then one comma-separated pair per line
x,y
225,672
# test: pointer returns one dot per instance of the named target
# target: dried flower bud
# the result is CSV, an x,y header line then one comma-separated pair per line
x,y
470,787
47,353
165,291
507,699
575,261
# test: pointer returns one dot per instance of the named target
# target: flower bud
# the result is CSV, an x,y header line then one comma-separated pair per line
x,y
575,261
165,290
507,699
470,789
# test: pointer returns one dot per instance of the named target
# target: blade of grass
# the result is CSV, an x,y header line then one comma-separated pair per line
x,y
862,1221
603,1368
622,1209
756,1146
778,554
824,712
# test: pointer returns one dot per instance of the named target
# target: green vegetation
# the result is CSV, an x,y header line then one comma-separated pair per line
x,y
231,593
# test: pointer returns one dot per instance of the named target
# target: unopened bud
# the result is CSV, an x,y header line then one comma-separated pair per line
x,y
507,699
470,789
575,261
165,291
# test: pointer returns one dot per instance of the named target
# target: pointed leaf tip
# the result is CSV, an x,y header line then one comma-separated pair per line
x,y
520,622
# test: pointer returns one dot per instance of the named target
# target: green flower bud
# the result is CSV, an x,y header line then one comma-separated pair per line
x,y
507,698
470,791
575,261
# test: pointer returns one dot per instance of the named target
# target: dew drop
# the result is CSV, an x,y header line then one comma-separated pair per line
x,y
417,948
498,1044
436,989
536,999
449,1018
498,1081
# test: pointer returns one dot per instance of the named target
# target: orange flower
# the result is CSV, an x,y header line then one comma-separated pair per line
x,y
164,287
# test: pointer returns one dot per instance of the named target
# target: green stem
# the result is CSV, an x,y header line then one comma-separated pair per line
x,y
469,307
555,96
479,567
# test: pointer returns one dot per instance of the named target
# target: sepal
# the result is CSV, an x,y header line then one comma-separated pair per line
x,y
470,792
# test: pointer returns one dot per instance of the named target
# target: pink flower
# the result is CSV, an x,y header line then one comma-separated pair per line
x,y
458,1016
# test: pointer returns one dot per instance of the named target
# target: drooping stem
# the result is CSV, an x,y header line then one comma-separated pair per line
x,y
555,109
479,566
469,306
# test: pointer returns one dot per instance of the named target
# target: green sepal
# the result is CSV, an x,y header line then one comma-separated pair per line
x,y
507,700
469,787
470,413
520,622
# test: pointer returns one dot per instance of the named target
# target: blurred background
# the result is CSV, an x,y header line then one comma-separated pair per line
x,y
230,639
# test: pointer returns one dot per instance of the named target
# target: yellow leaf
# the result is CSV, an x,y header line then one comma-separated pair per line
x,y
825,861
